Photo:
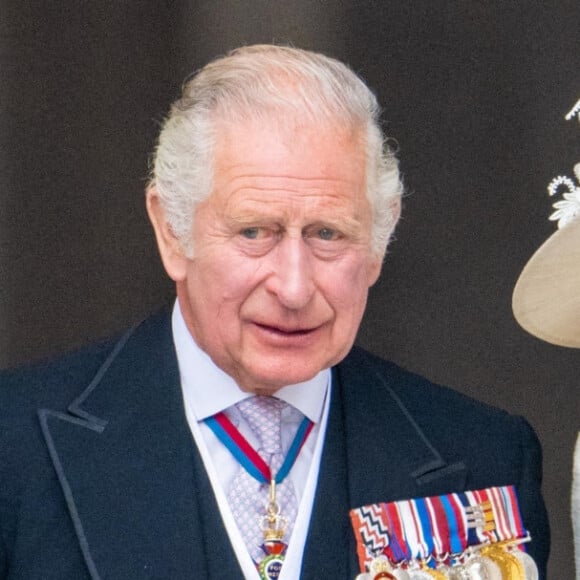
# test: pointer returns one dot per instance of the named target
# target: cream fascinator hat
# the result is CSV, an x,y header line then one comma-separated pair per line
x,y
546,298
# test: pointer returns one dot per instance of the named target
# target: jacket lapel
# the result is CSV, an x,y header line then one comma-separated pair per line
x,y
126,462
389,456
398,463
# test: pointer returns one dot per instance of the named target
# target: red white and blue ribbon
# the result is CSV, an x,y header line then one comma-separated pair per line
x,y
248,457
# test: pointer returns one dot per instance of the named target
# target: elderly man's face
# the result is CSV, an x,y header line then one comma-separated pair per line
x,y
279,279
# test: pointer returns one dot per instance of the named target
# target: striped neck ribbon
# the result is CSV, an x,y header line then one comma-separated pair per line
x,y
248,457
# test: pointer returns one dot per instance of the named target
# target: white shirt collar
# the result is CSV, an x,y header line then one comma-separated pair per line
x,y
211,390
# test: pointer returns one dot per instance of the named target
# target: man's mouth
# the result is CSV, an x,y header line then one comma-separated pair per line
x,y
285,331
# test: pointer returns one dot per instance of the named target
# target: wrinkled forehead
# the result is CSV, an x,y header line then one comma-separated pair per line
x,y
286,144
294,169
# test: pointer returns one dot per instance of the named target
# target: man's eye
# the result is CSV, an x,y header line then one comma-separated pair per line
x,y
251,233
327,234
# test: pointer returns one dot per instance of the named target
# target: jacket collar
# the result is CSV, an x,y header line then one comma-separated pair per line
x,y
126,463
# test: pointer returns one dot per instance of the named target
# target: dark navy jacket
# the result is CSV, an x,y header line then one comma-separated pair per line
x,y
100,477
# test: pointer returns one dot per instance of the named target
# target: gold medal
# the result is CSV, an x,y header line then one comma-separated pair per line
x,y
274,529
511,568
273,522
518,571
531,571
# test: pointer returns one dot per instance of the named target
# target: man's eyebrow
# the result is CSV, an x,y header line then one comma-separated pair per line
x,y
253,220
251,216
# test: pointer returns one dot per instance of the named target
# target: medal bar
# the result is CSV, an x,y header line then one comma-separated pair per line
x,y
473,535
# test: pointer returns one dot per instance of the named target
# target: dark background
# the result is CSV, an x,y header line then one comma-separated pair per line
x,y
474,92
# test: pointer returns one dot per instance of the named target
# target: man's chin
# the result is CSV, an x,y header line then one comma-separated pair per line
x,y
267,381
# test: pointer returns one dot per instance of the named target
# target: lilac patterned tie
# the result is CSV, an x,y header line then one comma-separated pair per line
x,y
247,497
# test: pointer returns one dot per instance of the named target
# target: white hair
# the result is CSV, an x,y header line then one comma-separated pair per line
x,y
273,82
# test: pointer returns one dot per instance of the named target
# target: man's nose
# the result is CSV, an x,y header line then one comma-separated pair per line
x,y
292,279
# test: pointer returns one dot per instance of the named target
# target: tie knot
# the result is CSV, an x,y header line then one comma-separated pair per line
x,y
264,415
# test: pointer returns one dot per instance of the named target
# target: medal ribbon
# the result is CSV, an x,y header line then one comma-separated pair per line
x,y
513,509
511,499
440,531
482,497
426,530
441,526
398,546
471,530
501,519
457,535
507,513
410,529
370,528
248,457
477,534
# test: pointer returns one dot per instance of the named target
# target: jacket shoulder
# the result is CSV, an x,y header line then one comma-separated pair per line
x,y
55,383
51,382
456,423
412,389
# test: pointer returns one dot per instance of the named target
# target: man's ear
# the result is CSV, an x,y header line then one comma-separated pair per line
x,y
172,254
374,270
